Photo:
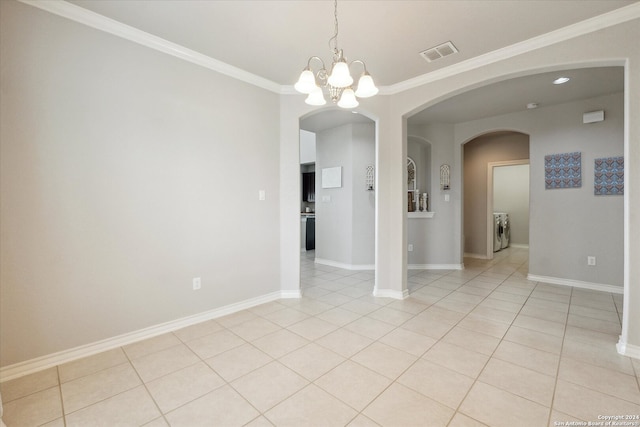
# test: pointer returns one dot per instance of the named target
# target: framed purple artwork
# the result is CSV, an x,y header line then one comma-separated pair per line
x,y
608,179
563,170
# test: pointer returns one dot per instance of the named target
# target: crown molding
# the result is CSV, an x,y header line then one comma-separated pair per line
x,y
108,25
609,19
111,26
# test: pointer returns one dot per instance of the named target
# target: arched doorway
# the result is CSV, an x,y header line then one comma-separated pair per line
x,y
557,125
341,214
480,156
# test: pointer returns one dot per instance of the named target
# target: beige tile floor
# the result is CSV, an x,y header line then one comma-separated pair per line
x,y
477,347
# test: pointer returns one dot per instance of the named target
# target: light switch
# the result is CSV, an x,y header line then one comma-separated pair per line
x,y
326,198
261,195
446,197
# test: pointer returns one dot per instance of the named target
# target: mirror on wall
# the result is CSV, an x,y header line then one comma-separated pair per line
x,y
413,192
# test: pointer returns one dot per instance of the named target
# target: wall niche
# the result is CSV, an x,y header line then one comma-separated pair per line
x,y
418,175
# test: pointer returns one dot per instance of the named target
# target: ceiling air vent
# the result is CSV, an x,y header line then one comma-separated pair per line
x,y
435,53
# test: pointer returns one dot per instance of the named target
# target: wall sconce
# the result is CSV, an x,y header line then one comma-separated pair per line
x,y
445,174
370,178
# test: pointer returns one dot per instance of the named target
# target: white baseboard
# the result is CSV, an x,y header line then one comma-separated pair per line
x,y
44,362
628,349
478,256
291,294
390,293
576,284
435,267
345,266
519,245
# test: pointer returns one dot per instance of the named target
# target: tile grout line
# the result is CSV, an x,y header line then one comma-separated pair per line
x,y
477,378
145,384
64,417
392,381
201,360
487,296
426,351
555,383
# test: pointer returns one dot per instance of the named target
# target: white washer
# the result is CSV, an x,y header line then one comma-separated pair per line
x,y
505,237
497,232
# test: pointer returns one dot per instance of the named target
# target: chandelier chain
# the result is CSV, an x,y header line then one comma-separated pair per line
x,y
335,31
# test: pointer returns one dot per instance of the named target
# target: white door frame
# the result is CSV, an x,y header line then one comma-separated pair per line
x,y
490,167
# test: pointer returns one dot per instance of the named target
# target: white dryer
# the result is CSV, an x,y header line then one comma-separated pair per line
x,y
505,223
497,232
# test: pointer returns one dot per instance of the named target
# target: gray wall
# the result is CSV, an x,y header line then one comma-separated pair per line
x,y
363,201
125,173
478,153
511,195
567,225
345,224
433,238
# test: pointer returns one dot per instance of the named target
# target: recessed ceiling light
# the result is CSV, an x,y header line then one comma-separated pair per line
x,y
561,80
532,105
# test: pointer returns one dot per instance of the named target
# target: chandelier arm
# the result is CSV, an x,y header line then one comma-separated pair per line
x,y
319,59
321,74
359,62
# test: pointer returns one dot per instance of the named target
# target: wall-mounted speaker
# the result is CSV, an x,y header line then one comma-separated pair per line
x,y
593,117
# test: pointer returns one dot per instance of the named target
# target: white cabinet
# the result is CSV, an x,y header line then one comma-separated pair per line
x,y
307,147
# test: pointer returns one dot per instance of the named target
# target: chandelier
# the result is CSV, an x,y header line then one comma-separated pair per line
x,y
338,81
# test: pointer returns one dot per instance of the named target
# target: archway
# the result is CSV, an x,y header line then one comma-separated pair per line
x,y
467,131
343,209
480,155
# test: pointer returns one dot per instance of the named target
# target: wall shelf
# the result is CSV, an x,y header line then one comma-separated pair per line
x,y
420,214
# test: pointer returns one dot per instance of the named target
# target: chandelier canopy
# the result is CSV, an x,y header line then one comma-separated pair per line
x,y
338,81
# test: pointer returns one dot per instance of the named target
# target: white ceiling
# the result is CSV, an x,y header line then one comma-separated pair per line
x,y
514,95
273,39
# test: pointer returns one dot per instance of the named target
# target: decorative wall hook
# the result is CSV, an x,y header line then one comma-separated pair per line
x,y
445,177
370,178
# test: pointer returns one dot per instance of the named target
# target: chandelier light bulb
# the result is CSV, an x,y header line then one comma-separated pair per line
x,y
316,97
306,83
366,87
340,76
348,99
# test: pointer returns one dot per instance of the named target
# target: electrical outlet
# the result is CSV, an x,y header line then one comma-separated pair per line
x,y
410,248
197,283
591,260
